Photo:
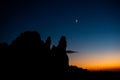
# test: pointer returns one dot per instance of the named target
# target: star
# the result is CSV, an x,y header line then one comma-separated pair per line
x,y
76,20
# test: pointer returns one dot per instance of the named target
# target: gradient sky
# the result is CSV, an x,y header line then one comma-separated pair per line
x,y
95,36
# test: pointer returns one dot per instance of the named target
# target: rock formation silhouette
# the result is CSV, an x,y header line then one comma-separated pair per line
x,y
60,58
31,57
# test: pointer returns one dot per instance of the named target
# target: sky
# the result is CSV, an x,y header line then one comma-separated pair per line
x,y
91,27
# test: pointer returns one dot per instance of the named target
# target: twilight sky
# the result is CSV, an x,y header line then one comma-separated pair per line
x,y
92,27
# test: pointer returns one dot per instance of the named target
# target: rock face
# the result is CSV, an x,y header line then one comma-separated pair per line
x,y
30,57
60,59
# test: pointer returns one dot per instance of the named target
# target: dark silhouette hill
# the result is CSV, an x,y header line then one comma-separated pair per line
x,y
29,57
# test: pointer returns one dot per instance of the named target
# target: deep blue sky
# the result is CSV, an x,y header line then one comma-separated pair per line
x,y
98,26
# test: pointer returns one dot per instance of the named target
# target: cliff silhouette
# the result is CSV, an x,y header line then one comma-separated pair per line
x,y
29,57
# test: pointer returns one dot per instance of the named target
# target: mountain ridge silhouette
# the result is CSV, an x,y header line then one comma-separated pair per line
x,y
29,57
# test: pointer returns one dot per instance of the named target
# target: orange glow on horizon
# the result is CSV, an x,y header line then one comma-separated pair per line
x,y
106,60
